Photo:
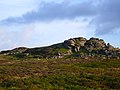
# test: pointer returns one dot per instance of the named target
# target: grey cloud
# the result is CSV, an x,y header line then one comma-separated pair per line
x,y
108,18
106,14
52,11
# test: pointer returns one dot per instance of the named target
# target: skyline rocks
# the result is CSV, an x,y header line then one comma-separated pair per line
x,y
92,43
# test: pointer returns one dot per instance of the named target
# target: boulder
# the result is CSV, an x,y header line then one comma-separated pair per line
x,y
75,43
110,47
95,43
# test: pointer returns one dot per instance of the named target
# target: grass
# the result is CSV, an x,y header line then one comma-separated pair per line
x,y
59,74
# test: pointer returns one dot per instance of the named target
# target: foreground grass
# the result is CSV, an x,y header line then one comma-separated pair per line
x,y
60,74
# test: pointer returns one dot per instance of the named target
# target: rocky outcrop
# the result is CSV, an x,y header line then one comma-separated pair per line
x,y
74,44
95,43
92,47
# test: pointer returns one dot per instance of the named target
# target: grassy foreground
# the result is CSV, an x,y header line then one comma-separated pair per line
x,y
60,74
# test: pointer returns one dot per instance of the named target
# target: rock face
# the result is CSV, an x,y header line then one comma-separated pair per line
x,y
75,44
91,47
95,43
76,47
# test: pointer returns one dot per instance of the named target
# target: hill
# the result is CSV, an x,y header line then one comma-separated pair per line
x,y
75,64
74,47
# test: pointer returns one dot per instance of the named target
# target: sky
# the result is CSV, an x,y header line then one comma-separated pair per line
x,y
37,23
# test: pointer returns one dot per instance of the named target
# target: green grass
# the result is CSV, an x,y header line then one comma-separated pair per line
x,y
60,74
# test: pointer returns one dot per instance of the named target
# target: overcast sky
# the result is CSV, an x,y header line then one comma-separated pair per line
x,y
34,23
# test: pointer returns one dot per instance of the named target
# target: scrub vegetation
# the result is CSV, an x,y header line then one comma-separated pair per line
x,y
59,74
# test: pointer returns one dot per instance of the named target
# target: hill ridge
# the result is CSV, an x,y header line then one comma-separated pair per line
x,y
73,47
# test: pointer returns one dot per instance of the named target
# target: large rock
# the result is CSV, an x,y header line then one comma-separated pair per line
x,y
95,43
110,47
74,44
